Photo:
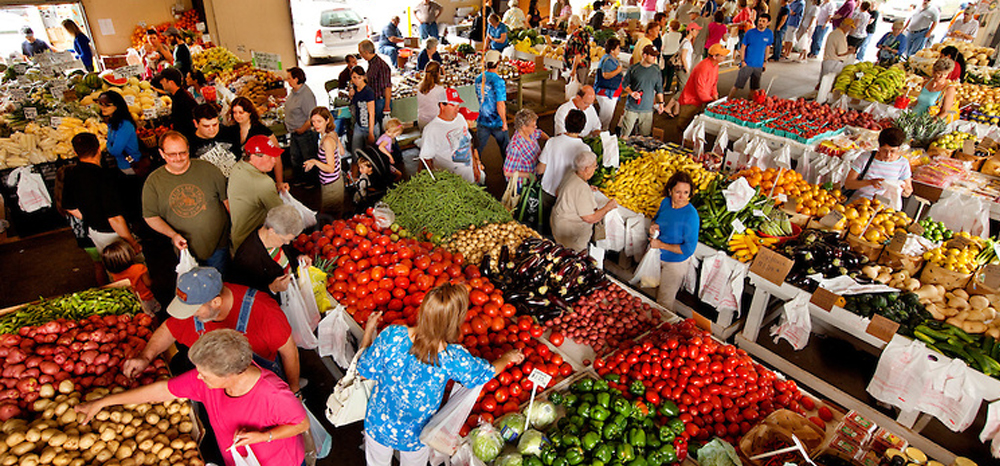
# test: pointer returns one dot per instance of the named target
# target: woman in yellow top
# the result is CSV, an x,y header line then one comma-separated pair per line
x,y
939,92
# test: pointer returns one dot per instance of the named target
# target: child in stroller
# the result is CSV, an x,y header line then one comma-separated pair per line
x,y
370,177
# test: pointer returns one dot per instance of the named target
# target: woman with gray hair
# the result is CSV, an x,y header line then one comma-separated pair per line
x,y
428,54
248,407
523,150
514,17
262,262
576,212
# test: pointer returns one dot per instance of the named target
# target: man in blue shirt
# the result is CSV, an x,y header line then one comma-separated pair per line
x,y
387,44
756,44
32,45
792,24
492,92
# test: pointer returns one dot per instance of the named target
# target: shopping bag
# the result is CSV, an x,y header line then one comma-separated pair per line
x,y
511,198
900,371
32,194
349,400
300,316
186,263
240,460
647,274
530,211
825,86
441,432
614,232
317,440
991,431
947,394
335,338
796,323
636,235
721,143
464,456
384,216
308,216
609,142
959,212
572,87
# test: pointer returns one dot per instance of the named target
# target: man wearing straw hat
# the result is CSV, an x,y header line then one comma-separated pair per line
x,y
837,51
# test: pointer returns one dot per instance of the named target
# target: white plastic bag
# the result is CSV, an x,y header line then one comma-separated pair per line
x,y
991,431
741,145
321,440
335,337
614,232
721,142
441,432
384,216
31,192
900,371
796,323
892,191
609,142
240,460
308,216
636,235
572,87
825,86
716,290
947,394
782,158
300,317
962,213
465,456
186,263
647,274
738,194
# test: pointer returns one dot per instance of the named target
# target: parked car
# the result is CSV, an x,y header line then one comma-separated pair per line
x,y
904,9
327,29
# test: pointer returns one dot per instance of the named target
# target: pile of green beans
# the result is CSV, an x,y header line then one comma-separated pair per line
x,y
443,206
75,306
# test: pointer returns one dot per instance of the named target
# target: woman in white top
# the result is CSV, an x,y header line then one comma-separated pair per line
x,y
514,17
429,94
671,41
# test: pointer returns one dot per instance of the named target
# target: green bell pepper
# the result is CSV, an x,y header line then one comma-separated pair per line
x,y
620,421
637,388
571,440
583,410
604,453
638,461
583,386
676,425
573,428
574,456
560,461
597,463
625,453
648,424
570,400
639,410
588,398
652,440
654,459
549,455
599,413
669,453
637,437
622,406
612,377
531,461
667,434
669,408
556,438
600,385
611,431
596,425
604,399
556,398
589,440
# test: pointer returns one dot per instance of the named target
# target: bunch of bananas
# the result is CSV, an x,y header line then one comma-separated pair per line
x,y
744,246
639,184
215,60
886,85
870,82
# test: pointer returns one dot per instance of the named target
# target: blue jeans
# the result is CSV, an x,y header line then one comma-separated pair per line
x,y
359,138
392,52
218,260
428,30
779,38
864,46
483,134
915,41
817,39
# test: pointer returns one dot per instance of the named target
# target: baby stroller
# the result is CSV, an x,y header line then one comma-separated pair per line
x,y
379,181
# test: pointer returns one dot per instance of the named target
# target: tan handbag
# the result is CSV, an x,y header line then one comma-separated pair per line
x,y
349,400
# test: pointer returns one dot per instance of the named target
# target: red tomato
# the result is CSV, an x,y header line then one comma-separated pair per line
x,y
515,390
478,298
510,407
501,395
508,310
537,331
516,374
491,309
504,378
556,338
489,403
524,323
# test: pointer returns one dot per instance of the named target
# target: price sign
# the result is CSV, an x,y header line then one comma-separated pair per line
x,y
958,242
20,68
789,205
200,26
56,121
826,300
148,113
206,38
991,276
758,213
57,91
30,113
969,147
266,61
701,321
539,378
738,226
130,100
782,197
831,219
18,94
916,229
772,266
898,241
128,71
43,121
882,328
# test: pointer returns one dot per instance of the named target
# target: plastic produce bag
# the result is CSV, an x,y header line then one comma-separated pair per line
x,y
335,337
782,158
647,274
738,194
531,443
900,370
741,145
609,142
572,86
796,323
318,441
991,431
441,432
384,216
324,301
299,315
308,216
949,395
962,213
721,142
614,232
239,460
186,263
485,443
718,452
32,194
465,456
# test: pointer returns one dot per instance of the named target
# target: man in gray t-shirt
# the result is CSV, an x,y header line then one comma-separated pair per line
x,y
643,84
302,139
427,12
920,27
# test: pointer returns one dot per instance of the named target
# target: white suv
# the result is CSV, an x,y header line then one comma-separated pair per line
x,y
327,29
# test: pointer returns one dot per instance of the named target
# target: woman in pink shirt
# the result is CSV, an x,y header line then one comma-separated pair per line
x,y
248,407
716,31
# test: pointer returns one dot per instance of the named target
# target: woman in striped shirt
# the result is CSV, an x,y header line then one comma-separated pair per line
x,y
328,162
870,175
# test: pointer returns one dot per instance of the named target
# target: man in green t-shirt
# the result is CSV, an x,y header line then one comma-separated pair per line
x,y
185,200
252,194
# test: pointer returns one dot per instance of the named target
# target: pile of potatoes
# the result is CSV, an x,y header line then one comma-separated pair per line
x,y
133,435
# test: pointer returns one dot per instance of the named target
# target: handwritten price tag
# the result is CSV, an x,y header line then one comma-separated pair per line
x,y
539,378
826,300
58,90
832,219
130,100
991,276
758,213
56,121
882,328
771,265
266,61
738,226
30,113
148,113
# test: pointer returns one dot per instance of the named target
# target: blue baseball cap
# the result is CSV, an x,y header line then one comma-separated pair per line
x,y
194,288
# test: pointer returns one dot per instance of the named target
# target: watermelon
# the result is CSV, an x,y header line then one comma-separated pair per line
x,y
92,81
109,77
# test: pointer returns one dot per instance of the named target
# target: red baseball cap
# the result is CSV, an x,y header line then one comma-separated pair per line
x,y
451,97
261,144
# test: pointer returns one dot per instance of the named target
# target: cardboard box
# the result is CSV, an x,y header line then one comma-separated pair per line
x,y
411,42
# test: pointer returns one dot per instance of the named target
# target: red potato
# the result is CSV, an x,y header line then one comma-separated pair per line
x,y
27,385
9,410
49,367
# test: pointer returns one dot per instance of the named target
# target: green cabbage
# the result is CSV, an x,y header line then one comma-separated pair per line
x,y
486,442
531,442
718,453
542,414
511,425
510,459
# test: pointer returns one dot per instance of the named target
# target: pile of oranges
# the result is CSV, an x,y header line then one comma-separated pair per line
x,y
884,220
813,200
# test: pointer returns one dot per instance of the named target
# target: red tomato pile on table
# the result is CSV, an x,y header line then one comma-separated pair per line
x,y
524,66
605,318
719,389
88,352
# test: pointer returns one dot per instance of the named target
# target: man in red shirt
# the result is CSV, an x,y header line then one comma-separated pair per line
x,y
203,303
702,87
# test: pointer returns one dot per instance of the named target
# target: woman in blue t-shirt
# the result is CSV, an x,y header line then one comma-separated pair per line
x,y
410,367
496,33
675,233
81,44
609,79
123,142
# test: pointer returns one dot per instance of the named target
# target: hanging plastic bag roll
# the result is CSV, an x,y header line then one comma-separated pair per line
x,y
308,215
721,142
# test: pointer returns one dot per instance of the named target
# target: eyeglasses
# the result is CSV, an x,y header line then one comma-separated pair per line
x,y
175,154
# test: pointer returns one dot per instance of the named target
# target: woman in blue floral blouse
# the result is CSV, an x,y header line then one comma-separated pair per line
x,y
410,367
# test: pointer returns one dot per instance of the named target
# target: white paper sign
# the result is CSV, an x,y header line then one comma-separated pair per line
x,y
200,26
539,378
130,100
148,113
266,61
30,113
21,68
206,38
18,94
738,226
758,213
56,121
106,26
127,71
57,91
